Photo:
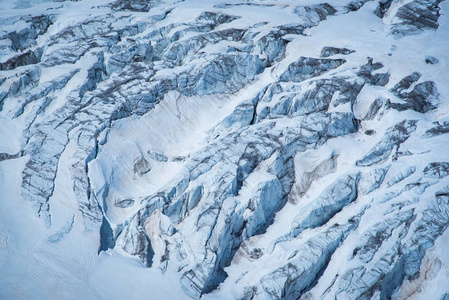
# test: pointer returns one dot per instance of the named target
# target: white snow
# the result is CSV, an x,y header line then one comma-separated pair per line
x,y
62,262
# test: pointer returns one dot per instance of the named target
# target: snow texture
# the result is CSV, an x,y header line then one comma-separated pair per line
x,y
224,149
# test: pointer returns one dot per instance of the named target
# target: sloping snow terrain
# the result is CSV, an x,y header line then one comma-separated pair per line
x,y
224,149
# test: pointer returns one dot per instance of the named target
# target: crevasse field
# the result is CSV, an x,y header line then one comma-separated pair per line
x,y
224,149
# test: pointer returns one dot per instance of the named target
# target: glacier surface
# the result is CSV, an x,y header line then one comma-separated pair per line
x,y
224,149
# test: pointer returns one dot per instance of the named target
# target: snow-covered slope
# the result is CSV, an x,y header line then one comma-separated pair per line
x,y
224,149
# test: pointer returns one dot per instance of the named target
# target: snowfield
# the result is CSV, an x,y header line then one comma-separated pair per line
x,y
224,149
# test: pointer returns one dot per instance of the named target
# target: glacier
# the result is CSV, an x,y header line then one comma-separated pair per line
x,y
224,149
